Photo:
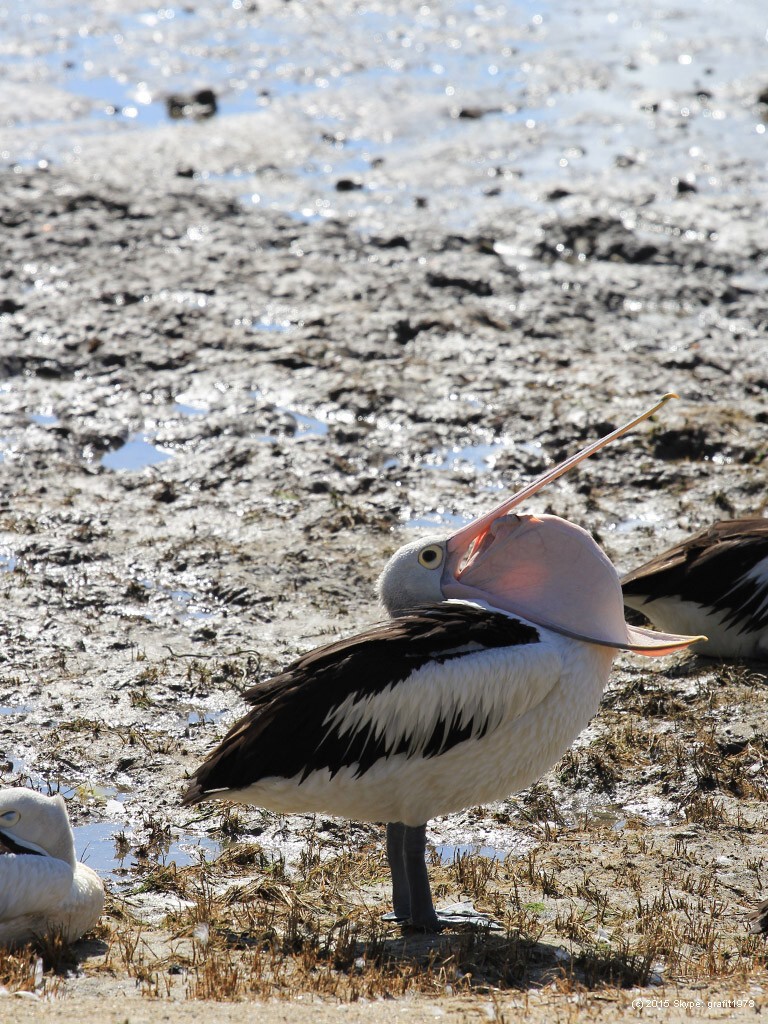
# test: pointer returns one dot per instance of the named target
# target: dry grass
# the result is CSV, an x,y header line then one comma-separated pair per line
x,y
37,967
603,900
251,929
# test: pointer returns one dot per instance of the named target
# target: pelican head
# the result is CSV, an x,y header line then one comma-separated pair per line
x,y
543,568
33,823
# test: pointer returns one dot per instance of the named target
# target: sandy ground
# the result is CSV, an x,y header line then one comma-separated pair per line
x,y
674,1007
242,359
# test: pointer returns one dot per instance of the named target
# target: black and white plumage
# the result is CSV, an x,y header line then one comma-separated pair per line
x,y
370,727
757,920
451,705
378,696
500,644
715,582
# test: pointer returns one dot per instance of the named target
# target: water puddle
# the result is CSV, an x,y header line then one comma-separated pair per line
x,y
136,453
113,847
186,605
96,846
195,401
182,604
90,51
189,410
198,718
44,419
481,456
448,854
266,323
430,520
192,849
15,709
304,424
8,563
110,848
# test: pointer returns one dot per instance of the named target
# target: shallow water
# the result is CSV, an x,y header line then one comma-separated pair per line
x,y
97,845
189,410
448,854
438,518
480,456
634,82
136,453
186,605
306,424
122,65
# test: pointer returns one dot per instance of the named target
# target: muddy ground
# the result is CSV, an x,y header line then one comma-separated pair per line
x,y
243,358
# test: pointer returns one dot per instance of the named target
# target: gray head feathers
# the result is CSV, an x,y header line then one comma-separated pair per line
x,y
413,575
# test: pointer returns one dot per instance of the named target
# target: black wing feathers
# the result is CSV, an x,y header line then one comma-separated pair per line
x,y
286,732
708,570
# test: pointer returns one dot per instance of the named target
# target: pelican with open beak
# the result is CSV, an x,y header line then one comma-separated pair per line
x,y
500,643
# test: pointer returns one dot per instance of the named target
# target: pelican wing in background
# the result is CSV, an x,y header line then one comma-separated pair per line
x,y
715,582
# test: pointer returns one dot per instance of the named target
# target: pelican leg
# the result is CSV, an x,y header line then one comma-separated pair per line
x,y
401,890
411,893
414,850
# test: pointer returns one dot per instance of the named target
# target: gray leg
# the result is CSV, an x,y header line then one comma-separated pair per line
x,y
414,848
411,894
401,891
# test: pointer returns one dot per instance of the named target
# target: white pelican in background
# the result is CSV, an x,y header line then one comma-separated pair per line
x,y
501,642
43,889
716,582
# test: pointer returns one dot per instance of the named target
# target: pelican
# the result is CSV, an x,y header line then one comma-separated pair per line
x,y
43,888
715,582
758,920
500,643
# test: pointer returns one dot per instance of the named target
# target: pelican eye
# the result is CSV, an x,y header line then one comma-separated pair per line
x,y
431,557
10,817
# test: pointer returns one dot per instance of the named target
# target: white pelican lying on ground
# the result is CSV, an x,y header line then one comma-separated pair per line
x,y
500,644
43,889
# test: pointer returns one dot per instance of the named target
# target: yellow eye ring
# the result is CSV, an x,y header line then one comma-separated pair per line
x,y
431,557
